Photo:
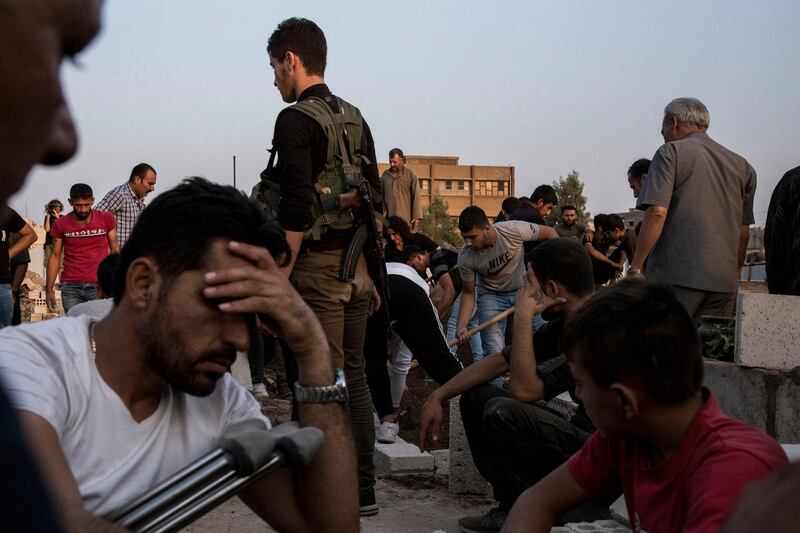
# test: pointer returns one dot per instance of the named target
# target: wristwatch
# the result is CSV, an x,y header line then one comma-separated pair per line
x,y
332,393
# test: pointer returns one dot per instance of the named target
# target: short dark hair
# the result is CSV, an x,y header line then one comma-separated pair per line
x,y
511,204
411,251
639,168
569,208
80,190
564,261
105,272
398,225
638,333
303,38
141,170
52,204
176,229
599,221
613,221
472,217
546,193
396,152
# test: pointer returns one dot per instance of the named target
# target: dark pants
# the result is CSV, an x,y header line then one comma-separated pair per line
x,y
415,321
515,444
341,308
260,353
699,302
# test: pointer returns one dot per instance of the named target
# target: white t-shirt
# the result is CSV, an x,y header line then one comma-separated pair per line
x,y
93,308
499,268
48,369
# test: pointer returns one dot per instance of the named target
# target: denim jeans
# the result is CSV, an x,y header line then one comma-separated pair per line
x,y
6,305
489,305
474,341
75,292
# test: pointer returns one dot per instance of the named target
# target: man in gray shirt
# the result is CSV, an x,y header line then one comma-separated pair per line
x,y
698,203
401,190
493,261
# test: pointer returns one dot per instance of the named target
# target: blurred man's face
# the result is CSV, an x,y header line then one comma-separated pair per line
x,y
144,185
569,217
283,78
476,239
543,208
420,262
35,124
615,234
635,184
81,207
396,163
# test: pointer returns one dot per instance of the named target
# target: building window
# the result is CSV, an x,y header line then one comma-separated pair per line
x,y
501,187
461,185
425,185
448,185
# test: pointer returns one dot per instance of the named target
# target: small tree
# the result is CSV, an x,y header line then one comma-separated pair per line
x,y
438,224
570,192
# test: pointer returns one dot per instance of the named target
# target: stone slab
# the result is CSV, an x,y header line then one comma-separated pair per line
x,y
766,399
441,465
464,476
599,526
619,511
792,452
767,332
402,457
240,370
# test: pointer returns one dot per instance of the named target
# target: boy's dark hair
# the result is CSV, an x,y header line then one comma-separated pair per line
x,y
303,38
636,332
52,204
176,229
566,262
613,221
105,272
396,152
411,251
546,193
511,204
639,168
568,208
80,191
398,225
141,170
599,221
472,217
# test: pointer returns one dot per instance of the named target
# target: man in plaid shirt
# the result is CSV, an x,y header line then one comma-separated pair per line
x,y
126,202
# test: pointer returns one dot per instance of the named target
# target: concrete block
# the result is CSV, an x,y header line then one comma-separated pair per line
x,y
464,476
402,458
766,399
792,452
619,511
599,526
767,335
441,465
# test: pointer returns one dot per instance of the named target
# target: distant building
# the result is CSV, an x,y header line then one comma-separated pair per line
x,y
461,185
632,217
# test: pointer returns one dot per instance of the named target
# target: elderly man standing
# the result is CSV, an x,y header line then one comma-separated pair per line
x,y
401,190
126,202
698,203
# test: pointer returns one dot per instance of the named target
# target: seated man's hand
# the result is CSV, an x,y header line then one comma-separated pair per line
x,y
430,419
531,299
262,288
51,300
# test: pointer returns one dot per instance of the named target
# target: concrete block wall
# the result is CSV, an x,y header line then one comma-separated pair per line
x,y
767,331
464,476
766,399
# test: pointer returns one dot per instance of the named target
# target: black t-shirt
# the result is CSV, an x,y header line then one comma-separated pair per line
x,y
13,224
446,262
302,151
48,238
553,369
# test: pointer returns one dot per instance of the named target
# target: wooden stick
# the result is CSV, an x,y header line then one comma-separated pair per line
x,y
480,327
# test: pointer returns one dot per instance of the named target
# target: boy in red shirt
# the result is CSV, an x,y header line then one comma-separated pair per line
x,y
662,438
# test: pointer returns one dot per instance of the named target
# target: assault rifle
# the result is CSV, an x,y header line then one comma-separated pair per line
x,y
367,238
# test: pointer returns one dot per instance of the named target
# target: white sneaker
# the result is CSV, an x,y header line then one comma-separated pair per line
x,y
260,391
387,432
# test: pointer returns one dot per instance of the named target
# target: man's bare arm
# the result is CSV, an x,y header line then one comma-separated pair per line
x,y
295,240
448,294
113,242
594,252
652,226
477,373
537,509
546,233
27,237
744,238
53,264
323,496
465,310
55,469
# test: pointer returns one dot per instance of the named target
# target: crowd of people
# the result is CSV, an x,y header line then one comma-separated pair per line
x,y
97,408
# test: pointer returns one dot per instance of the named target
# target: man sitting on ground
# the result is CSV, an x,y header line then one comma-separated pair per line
x,y
662,439
111,408
513,441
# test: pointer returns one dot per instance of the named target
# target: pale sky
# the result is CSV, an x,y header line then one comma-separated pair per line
x,y
545,86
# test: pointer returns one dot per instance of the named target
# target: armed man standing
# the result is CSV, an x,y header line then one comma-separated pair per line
x,y
325,150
